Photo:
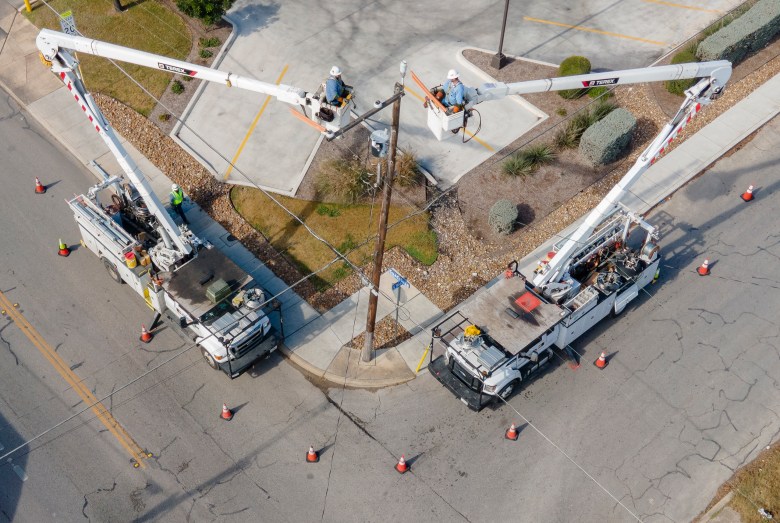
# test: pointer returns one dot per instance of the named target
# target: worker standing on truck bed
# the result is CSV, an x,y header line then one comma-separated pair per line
x,y
177,198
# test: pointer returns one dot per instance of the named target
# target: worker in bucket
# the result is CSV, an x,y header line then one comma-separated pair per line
x,y
177,198
451,93
336,91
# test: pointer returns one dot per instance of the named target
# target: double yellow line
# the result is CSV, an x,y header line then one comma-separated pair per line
x,y
113,426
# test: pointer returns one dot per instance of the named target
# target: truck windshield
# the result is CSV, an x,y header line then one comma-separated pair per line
x,y
465,376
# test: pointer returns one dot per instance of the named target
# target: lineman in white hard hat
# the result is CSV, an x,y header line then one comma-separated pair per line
x,y
451,93
177,198
335,88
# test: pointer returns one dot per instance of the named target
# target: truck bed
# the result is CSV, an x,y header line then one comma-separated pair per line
x,y
188,284
498,313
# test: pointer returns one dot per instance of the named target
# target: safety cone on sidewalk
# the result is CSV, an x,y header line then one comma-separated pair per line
x,y
704,269
64,251
748,195
602,361
312,456
401,466
39,187
146,336
511,433
227,414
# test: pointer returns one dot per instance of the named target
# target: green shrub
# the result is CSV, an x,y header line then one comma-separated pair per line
x,y
502,216
210,11
517,165
209,42
604,141
408,173
565,139
600,92
569,137
599,111
205,53
164,117
572,66
343,180
177,87
678,87
748,33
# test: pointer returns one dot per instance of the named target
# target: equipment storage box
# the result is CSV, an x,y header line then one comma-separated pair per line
x,y
218,291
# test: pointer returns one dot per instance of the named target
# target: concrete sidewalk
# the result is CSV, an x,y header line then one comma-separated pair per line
x,y
316,342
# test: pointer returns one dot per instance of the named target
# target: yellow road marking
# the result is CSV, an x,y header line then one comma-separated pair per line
x,y
589,30
252,127
480,142
670,4
73,380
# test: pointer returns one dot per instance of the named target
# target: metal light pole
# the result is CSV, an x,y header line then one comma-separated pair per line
x,y
379,249
499,60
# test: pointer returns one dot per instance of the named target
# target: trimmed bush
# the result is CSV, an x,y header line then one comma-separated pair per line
x,y
747,34
210,11
678,87
502,217
604,141
569,137
572,66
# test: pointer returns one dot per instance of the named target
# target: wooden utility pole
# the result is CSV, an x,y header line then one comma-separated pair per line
x,y
379,249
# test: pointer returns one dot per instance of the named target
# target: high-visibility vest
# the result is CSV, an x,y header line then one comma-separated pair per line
x,y
178,197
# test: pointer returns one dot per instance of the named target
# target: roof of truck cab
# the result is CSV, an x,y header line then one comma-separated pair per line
x,y
488,310
188,283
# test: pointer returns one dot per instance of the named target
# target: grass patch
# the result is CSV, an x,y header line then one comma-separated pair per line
x,y
528,160
209,42
344,226
147,26
758,482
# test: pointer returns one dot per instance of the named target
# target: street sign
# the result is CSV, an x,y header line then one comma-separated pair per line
x,y
400,281
68,23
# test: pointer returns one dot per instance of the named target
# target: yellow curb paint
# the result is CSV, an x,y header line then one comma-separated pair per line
x,y
680,6
252,127
589,30
76,384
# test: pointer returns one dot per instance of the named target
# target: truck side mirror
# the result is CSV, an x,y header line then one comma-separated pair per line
x,y
183,322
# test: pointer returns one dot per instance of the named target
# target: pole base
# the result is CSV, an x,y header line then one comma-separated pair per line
x,y
498,61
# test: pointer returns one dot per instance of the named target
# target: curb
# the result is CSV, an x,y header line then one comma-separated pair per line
x,y
715,510
335,379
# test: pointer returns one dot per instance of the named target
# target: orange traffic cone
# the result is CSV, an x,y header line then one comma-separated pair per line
x,y
64,251
39,187
312,456
146,336
511,433
704,270
602,361
748,195
227,414
401,466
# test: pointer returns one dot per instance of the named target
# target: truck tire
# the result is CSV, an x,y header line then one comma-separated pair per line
x,y
209,359
508,389
112,270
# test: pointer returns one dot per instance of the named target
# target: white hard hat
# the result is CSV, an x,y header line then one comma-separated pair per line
x,y
174,187
452,74
335,71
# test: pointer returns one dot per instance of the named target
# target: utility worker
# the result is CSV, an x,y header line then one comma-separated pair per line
x,y
454,91
335,88
177,198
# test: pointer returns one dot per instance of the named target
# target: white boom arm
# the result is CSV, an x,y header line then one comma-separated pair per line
x,y
496,90
706,90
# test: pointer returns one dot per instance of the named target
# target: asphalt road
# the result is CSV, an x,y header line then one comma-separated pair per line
x,y
691,391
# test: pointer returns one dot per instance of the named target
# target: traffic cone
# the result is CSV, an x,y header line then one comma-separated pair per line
x,y
401,466
704,270
227,414
748,195
312,456
64,251
511,433
39,187
602,361
146,336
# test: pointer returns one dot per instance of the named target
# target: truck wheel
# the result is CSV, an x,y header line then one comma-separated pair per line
x,y
508,390
209,359
112,271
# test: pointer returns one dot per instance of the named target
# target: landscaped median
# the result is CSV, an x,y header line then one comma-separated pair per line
x,y
147,26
